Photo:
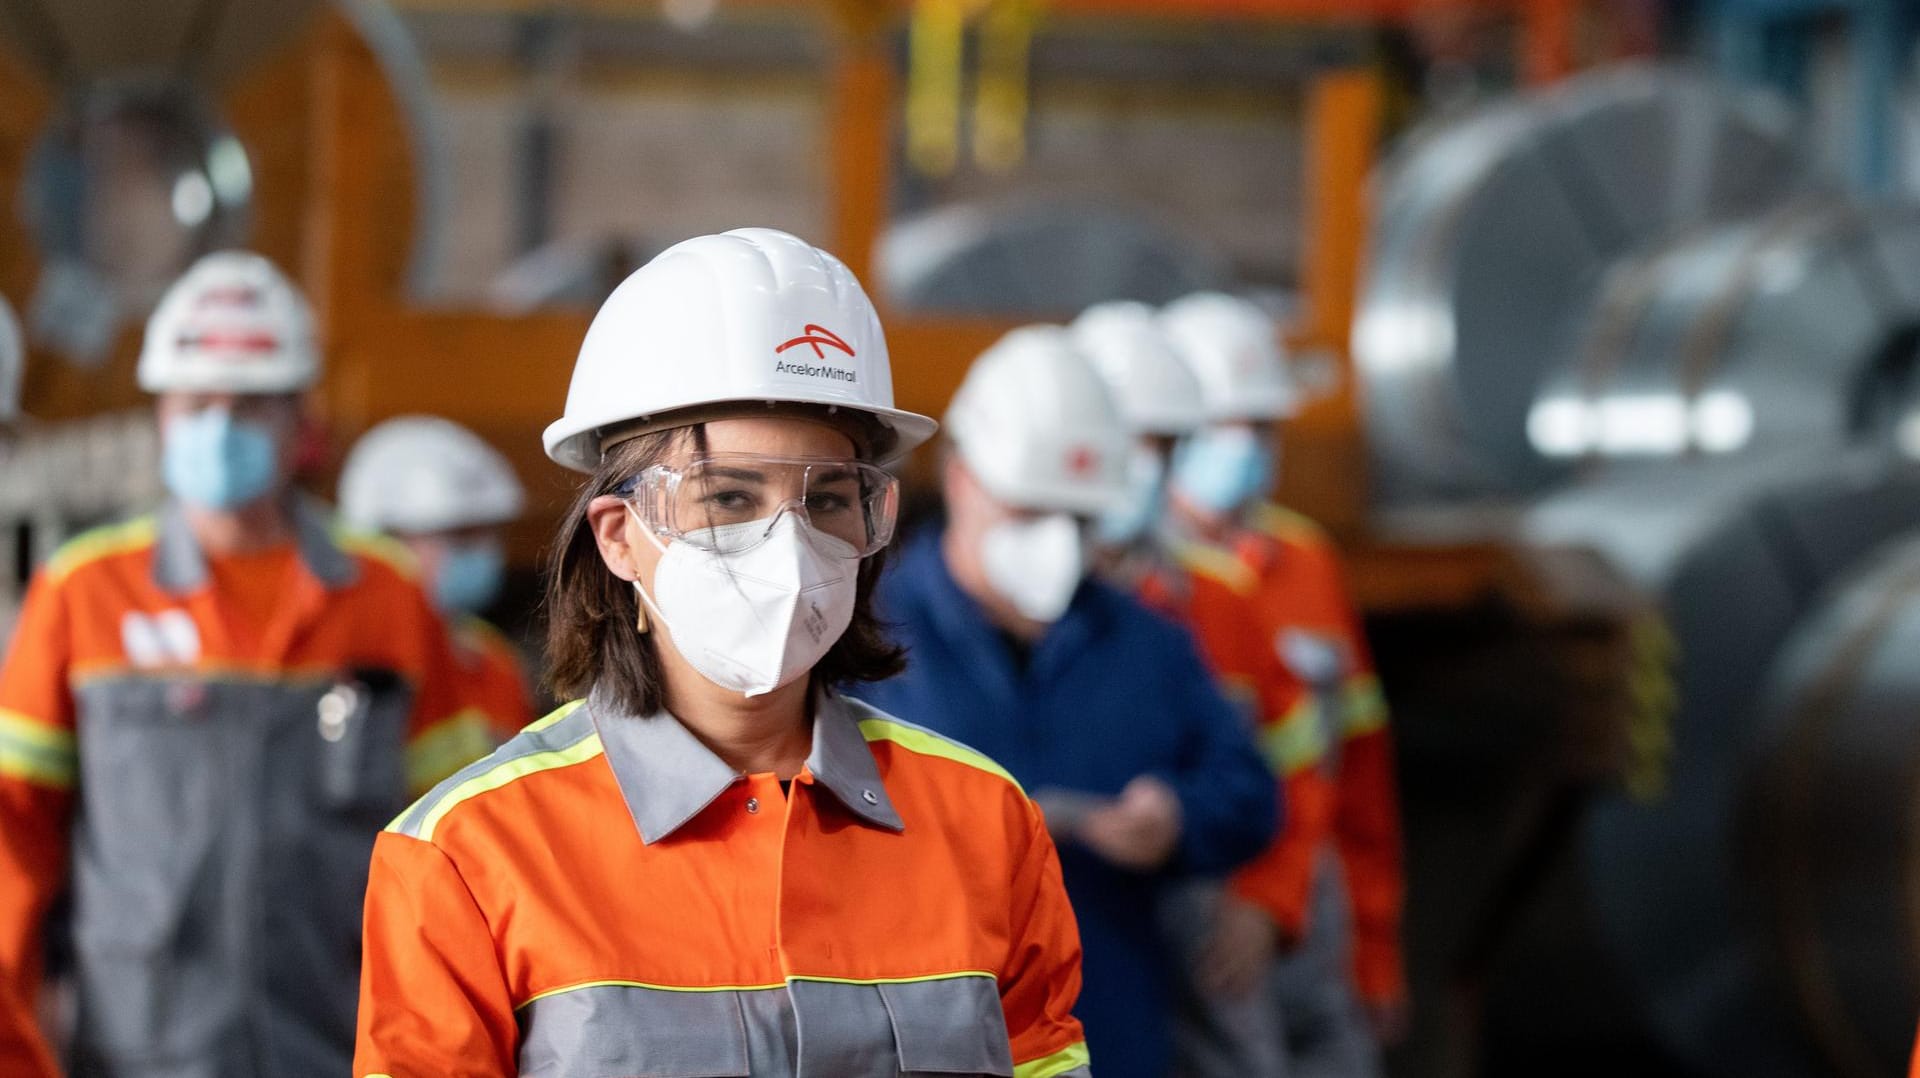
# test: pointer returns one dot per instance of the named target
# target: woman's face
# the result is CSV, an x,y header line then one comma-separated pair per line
x,y
631,555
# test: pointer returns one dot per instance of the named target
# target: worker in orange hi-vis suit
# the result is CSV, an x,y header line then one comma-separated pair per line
x,y
1335,876
1227,1022
205,717
435,486
714,861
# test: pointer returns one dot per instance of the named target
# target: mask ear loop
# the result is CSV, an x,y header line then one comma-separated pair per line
x,y
646,603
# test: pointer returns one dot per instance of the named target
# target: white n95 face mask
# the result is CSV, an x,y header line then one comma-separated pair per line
x,y
759,619
1036,564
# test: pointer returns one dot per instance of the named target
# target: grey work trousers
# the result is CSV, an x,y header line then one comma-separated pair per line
x,y
1305,1021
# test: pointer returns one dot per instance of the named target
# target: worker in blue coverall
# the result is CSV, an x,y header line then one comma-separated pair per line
x,y
1100,708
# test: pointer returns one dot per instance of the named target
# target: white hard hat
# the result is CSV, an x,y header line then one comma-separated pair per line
x,y
13,362
1150,383
750,315
232,323
1233,348
418,473
1036,425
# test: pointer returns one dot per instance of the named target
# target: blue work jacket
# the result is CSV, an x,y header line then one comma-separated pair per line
x,y
1111,692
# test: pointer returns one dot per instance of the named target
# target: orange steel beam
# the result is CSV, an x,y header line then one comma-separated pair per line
x,y
1324,450
1547,32
862,90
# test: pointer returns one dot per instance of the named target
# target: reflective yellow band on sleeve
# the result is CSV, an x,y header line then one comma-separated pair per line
x,y
1221,566
35,752
1365,706
446,747
1297,741
927,743
1059,1063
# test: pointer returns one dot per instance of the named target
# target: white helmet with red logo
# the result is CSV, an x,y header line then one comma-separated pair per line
x,y
1035,424
1234,348
752,315
232,323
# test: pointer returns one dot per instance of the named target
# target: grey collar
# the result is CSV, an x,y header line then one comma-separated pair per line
x,y
180,566
667,776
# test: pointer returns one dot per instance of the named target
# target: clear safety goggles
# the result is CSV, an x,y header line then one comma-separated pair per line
x,y
711,502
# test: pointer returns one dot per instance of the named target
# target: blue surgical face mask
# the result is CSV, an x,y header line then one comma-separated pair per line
x,y
1146,497
469,577
214,461
1221,469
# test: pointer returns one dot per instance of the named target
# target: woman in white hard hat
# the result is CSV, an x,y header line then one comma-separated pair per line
x,y
437,487
713,862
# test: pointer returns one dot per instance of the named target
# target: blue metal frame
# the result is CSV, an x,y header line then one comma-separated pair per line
x,y
1767,42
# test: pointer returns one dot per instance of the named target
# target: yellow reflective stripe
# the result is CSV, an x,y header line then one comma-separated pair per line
x,y
585,985
1215,564
914,739
651,987
393,553
308,676
1066,1059
35,752
1297,740
1280,522
957,975
1365,706
492,779
100,543
556,715
446,747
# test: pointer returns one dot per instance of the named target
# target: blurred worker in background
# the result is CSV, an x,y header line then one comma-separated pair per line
x,y
205,717
449,496
713,862
1097,705
1333,882
1229,1024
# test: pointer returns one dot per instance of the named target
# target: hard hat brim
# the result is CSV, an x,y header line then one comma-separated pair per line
x,y
577,446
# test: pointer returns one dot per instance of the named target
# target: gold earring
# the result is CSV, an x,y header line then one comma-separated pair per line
x,y
640,613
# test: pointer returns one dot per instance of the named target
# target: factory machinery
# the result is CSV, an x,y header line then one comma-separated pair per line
x,y
1624,318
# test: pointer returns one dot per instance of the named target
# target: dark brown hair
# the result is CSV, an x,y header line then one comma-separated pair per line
x,y
593,642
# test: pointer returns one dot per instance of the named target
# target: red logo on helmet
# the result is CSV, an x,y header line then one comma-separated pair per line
x,y
815,336
235,296
233,344
1082,462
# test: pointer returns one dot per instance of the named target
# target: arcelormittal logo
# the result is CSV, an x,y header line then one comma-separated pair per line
x,y
815,336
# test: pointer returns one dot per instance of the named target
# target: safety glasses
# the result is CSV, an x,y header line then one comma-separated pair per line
x,y
728,503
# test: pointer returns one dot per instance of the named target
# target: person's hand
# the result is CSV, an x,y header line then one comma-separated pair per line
x,y
1139,830
1390,1020
1239,951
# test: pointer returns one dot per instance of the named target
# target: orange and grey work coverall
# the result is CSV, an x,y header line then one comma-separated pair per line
x,y
202,750
495,683
604,895
1276,623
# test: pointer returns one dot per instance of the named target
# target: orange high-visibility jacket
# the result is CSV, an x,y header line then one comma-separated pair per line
x,y
605,896
496,684
1274,614
204,749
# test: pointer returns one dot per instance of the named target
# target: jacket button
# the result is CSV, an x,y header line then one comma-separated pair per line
x,y
753,804
869,797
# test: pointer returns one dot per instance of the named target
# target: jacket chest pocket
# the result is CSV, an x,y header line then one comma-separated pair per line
x,y
354,731
623,1031
950,1026
946,1026
161,770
